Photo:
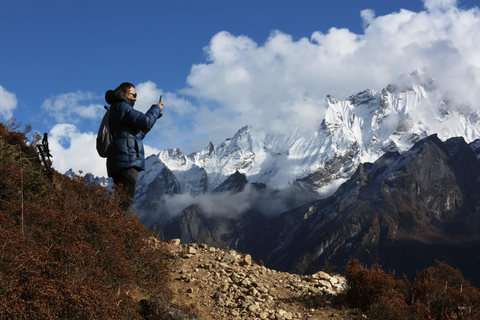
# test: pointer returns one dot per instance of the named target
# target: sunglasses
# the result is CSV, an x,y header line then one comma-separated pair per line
x,y
134,94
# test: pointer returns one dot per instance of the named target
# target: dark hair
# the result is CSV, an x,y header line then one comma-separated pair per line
x,y
126,86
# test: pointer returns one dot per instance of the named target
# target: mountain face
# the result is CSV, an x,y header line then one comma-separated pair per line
x,y
389,177
403,212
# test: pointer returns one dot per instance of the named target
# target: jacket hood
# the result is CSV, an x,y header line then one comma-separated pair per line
x,y
115,96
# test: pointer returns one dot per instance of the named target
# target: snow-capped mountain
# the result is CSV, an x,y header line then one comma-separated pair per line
x,y
404,211
357,130
401,166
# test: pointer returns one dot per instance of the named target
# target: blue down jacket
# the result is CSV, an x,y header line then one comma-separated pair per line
x,y
128,127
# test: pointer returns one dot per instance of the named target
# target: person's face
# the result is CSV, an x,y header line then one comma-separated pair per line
x,y
131,94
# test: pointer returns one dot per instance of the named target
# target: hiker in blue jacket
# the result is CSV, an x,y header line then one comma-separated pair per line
x,y
128,126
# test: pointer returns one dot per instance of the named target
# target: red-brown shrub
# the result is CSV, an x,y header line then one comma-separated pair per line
x,y
365,287
67,251
439,292
446,294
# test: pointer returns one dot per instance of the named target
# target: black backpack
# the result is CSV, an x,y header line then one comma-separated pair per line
x,y
104,135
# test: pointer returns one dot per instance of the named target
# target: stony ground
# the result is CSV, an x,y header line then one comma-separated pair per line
x,y
225,284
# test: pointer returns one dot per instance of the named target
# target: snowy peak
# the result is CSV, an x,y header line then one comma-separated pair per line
x,y
396,117
356,130
419,81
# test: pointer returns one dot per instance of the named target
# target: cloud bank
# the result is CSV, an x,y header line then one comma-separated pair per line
x,y
228,204
284,81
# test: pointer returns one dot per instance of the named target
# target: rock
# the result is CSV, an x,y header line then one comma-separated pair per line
x,y
175,242
322,275
279,315
326,284
189,252
229,257
253,307
246,260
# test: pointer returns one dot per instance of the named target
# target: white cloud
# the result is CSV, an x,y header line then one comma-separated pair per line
x,y
284,81
72,149
226,204
73,107
149,150
8,103
148,94
368,15
434,5
216,204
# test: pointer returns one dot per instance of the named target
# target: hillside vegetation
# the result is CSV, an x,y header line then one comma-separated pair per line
x,y
67,251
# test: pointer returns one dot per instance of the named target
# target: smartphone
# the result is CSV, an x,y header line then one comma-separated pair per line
x,y
160,100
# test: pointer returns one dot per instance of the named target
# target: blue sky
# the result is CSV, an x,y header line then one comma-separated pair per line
x,y
220,64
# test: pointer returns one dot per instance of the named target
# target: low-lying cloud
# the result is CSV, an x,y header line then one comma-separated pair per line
x,y
229,204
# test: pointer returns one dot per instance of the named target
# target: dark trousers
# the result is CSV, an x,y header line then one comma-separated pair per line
x,y
126,180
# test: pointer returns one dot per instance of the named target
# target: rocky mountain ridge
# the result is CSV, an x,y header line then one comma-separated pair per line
x,y
356,130
421,206
418,206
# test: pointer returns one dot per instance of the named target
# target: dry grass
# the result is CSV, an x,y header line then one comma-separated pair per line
x,y
67,251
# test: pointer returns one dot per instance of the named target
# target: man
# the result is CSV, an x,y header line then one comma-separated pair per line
x,y
128,126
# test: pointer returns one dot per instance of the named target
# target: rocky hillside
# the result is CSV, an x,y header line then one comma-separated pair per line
x,y
225,284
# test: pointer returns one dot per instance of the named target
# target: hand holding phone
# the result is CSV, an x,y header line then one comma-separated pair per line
x,y
160,103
